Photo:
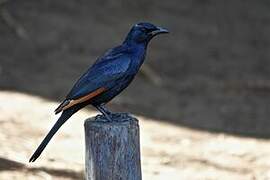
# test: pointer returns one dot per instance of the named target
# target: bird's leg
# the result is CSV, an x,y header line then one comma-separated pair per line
x,y
104,111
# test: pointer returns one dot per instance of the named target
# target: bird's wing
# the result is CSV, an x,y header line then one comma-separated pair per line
x,y
99,78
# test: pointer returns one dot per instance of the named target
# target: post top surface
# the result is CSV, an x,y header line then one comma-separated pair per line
x,y
118,119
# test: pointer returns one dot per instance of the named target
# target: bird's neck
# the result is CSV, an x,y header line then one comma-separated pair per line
x,y
130,42
135,47
138,52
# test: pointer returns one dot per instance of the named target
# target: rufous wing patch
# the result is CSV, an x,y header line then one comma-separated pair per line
x,y
87,97
60,107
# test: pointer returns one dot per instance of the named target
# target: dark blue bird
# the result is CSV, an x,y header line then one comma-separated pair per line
x,y
108,76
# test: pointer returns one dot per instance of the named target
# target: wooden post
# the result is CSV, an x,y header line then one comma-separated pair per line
x,y
112,148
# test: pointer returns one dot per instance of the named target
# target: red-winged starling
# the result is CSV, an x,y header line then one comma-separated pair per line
x,y
106,78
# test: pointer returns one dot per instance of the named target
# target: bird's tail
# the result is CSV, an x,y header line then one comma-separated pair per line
x,y
62,119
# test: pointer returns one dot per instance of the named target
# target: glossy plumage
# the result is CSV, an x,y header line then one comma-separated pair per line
x,y
106,78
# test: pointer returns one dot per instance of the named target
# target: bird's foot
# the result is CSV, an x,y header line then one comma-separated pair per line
x,y
113,116
108,116
101,117
120,116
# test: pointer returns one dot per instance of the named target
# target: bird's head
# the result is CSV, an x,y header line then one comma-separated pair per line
x,y
142,33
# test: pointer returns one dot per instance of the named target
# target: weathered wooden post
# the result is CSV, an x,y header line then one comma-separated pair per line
x,y
112,148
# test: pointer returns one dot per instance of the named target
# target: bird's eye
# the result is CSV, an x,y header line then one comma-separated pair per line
x,y
144,29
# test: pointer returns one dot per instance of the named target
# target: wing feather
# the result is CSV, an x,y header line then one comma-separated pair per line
x,y
101,76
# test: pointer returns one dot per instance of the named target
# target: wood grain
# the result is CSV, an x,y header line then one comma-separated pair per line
x,y
112,148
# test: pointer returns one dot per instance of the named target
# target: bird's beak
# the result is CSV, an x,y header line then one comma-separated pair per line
x,y
159,30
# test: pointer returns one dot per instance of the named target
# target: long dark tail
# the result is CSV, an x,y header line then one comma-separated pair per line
x,y
62,119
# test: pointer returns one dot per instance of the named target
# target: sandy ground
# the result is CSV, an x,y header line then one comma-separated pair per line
x,y
168,151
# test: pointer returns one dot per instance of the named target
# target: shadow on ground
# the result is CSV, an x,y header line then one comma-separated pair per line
x,y
11,165
212,69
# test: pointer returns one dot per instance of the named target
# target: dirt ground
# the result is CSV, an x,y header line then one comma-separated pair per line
x,y
213,69
168,152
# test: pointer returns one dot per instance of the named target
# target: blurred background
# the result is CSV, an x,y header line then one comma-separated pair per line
x,y
204,87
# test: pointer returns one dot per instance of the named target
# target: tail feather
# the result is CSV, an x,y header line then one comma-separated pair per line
x,y
62,119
